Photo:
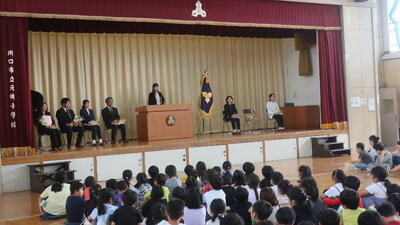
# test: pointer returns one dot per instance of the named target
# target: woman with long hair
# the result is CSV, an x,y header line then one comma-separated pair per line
x,y
45,125
155,96
274,112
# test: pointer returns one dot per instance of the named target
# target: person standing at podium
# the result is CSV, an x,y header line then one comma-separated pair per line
x,y
155,96
231,114
111,120
274,112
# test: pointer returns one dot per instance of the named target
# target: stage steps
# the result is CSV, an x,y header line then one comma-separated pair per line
x,y
43,175
328,146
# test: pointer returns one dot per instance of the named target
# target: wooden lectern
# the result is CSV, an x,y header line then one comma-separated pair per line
x,y
163,122
301,117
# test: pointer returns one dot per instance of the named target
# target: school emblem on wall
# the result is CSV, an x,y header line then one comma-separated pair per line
x,y
199,11
170,120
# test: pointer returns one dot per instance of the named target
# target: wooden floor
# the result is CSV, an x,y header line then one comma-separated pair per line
x,y
21,207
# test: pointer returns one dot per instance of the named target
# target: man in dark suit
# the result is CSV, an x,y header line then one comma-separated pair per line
x,y
65,116
111,118
87,115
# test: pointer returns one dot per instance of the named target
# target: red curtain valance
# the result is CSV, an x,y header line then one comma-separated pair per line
x,y
255,12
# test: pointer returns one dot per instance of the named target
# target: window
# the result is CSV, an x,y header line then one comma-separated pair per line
x,y
393,24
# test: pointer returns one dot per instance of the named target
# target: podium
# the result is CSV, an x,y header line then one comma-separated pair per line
x,y
164,122
301,117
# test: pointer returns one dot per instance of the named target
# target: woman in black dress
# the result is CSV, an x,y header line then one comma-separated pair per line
x,y
231,114
49,129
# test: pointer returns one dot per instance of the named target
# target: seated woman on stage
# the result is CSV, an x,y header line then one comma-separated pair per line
x,y
155,96
231,114
274,112
46,126
89,122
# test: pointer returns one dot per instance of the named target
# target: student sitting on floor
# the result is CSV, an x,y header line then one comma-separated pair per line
x,y
267,194
350,182
201,169
242,205
90,182
253,182
127,214
364,158
141,187
267,172
52,200
375,194
283,188
190,171
369,217
179,193
153,172
217,209
173,180
248,168
227,168
277,177
194,212
285,216
388,214
228,189
159,181
301,206
350,199
105,208
334,191
329,217
232,219
383,159
121,188
309,186
175,209
304,172
239,180
215,193
112,184
91,204
260,211
75,204
157,194
127,176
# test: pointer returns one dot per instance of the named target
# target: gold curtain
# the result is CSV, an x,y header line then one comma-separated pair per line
x,y
303,43
124,66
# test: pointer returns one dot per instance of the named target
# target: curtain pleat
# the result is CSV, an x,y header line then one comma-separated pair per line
x,y
94,66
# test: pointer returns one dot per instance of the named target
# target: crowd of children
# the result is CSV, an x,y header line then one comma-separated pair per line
x,y
213,196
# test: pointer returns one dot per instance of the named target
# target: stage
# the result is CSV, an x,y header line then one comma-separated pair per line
x,y
213,149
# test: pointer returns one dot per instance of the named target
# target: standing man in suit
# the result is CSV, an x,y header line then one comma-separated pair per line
x,y
87,115
65,116
111,119
155,96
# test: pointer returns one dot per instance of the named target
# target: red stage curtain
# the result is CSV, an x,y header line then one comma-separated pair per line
x,y
235,11
15,129
332,84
